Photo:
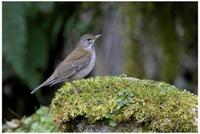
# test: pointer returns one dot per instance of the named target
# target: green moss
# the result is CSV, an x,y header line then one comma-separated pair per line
x,y
153,106
41,121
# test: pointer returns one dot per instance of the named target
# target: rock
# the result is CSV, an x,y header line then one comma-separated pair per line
x,y
123,104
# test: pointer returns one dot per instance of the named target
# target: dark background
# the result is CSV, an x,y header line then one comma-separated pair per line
x,y
155,40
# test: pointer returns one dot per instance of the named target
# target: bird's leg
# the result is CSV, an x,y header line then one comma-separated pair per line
x,y
75,88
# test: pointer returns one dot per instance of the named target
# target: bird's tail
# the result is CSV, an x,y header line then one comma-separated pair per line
x,y
47,82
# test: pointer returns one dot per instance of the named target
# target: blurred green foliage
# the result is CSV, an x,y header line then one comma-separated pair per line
x,y
30,38
171,31
41,121
25,46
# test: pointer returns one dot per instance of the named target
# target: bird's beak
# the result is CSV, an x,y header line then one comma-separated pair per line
x,y
97,36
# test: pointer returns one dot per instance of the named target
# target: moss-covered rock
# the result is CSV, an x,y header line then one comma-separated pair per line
x,y
141,105
41,121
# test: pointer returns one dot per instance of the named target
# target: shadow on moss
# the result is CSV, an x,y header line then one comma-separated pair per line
x,y
150,105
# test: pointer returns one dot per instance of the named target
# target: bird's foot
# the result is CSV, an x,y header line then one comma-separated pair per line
x,y
75,88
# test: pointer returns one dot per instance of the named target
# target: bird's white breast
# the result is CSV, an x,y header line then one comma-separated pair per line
x,y
86,70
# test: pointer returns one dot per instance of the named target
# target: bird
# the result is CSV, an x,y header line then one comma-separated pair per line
x,y
78,64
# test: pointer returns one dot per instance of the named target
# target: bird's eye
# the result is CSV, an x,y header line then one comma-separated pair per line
x,y
88,39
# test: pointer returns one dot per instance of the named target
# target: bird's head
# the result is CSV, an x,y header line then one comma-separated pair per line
x,y
88,40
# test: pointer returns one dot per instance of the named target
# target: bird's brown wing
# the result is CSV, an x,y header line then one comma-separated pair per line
x,y
71,64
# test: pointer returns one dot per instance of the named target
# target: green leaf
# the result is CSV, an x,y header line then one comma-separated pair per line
x,y
25,50
14,36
